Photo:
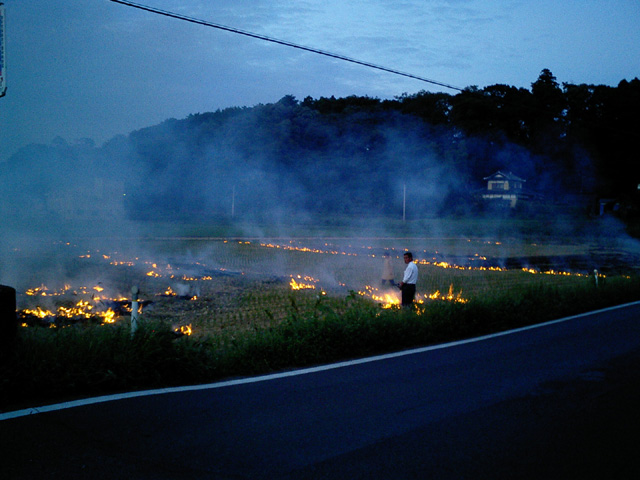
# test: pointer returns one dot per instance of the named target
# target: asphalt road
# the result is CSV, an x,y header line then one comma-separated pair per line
x,y
557,401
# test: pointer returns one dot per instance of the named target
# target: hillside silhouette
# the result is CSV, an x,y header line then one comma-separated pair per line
x,y
329,157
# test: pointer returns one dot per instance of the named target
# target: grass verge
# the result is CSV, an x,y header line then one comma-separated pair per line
x,y
44,366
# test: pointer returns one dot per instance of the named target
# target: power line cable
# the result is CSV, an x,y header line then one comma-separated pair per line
x,y
283,42
305,48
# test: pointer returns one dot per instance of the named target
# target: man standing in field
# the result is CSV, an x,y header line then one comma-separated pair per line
x,y
409,280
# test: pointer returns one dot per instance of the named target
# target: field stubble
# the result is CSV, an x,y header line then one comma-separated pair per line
x,y
219,285
225,289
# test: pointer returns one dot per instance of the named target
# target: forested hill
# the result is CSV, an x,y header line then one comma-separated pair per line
x,y
333,156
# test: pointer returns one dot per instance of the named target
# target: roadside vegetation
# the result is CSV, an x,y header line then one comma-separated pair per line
x,y
199,230
252,321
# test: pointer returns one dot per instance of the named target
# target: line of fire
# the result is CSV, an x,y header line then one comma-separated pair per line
x,y
181,284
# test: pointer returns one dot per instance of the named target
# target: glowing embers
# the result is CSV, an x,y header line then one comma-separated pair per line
x,y
183,293
173,272
449,297
82,310
169,293
183,330
295,248
386,299
390,298
443,264
552,272
71,305
43,291
302,282
471,262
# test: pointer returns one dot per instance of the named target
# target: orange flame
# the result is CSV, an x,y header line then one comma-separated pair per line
x,y
184,330
300,285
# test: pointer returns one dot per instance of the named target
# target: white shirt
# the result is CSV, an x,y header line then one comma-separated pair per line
x,y
410,273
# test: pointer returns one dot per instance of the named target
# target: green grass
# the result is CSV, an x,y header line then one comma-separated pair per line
x,y
47,365
251,322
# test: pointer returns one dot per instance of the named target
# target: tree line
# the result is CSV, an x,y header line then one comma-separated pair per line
x,y
360,155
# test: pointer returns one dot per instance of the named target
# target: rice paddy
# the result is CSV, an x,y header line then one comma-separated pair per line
x,y
215,308
216,285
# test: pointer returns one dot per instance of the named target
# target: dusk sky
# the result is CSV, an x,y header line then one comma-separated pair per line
x,y
95,68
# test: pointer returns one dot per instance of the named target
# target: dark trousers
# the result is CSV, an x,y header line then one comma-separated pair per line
x,y
408,294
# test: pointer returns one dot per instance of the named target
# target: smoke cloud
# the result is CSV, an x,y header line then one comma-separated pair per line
x,y
263,172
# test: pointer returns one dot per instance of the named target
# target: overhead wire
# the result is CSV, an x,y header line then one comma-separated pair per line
x,y
266,38
283,42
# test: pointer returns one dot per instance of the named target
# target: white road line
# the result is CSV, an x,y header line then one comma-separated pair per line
x,y
292,373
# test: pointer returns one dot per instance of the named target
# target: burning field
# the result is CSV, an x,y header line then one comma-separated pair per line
x,y
204,286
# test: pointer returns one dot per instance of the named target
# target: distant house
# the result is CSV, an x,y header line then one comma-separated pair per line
x,y
506,189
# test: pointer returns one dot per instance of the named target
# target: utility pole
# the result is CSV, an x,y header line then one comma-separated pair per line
x,y
135,315
3,76
404,203
233,201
